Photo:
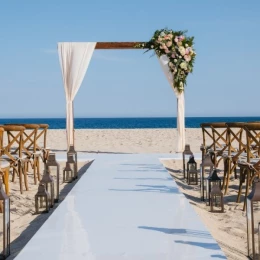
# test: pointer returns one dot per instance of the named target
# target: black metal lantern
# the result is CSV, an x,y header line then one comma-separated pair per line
x,y
206,163
68,173
192,173
74,155
253,219
54,168
42,200
48,182
4,223
212,179
186,151
217,201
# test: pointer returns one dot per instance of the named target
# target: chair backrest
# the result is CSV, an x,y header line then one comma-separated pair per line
x,y
253,141
30,135
42,134
207,134
15,139
236,138
219,133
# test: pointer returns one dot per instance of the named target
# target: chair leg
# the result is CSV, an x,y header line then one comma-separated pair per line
x,y
20,177
38,168
6,181
247,187
228,176
242,179
34,170
225,172
25,167
13,176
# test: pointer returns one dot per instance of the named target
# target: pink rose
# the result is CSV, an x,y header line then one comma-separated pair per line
x,y
187,51
166,50
176,39
181,37
173,55
187,58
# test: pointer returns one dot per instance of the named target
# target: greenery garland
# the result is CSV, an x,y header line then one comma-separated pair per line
x,y
179,50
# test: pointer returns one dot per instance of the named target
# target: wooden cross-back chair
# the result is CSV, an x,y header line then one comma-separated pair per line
x,y
17,159
30,144
250,165
236,148
220,142
4,165
30,148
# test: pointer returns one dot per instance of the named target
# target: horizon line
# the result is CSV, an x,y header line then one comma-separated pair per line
x,y
134,117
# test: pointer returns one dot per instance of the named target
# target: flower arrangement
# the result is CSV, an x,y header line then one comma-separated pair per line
x,y
179,50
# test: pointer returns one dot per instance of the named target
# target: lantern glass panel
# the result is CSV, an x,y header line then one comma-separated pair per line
x,y
68,174
217,203
54,171
212,180
253,218
5,229
1,233
42,203
249,227
7,226
4,225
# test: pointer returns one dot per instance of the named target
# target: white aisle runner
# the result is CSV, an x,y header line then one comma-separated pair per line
x,y
126,206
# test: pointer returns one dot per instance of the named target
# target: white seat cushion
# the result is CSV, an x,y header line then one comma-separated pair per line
x,y
4,163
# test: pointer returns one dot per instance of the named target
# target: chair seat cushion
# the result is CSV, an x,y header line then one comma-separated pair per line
x,y
4,163
24,156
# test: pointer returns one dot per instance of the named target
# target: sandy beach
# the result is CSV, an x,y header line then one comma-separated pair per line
x,y
125,140
229,228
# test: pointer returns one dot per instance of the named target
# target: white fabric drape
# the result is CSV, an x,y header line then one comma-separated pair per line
x,y
74,61
180,105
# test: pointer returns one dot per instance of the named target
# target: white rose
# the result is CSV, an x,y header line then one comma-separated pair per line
x,y
182,50
169,44
152,46
175,60
186,45
183,65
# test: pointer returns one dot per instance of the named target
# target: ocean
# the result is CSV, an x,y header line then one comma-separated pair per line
x,y
127,123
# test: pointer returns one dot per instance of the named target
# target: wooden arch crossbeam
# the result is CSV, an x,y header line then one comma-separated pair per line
x,y
117,45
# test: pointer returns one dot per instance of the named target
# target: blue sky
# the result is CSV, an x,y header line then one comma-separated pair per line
x,y
128,83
